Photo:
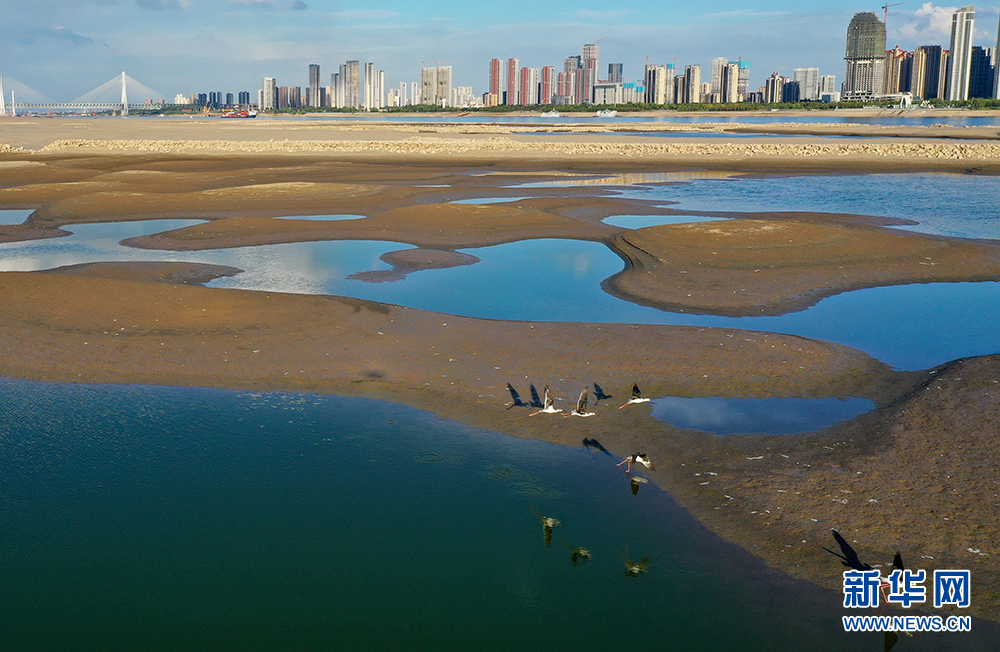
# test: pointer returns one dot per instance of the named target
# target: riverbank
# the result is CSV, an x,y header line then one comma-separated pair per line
x,y
777,497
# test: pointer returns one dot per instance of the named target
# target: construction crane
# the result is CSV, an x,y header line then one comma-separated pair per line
x,y
885,17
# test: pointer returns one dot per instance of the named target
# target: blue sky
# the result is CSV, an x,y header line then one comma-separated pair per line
x,y
64,48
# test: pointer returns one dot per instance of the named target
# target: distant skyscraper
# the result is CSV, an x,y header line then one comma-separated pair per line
x,y
827,85
962,24
982,71
616,73
808,79
496,77
692,84
443,93
590,61
547,90
774,88
530,78
730,83
718,63
996,71
428,85
744,72
314,94
513,82
865,56
655,84
269,96
669,92
898,65
351,72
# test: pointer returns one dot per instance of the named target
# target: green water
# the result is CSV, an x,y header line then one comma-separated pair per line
x,y
141,518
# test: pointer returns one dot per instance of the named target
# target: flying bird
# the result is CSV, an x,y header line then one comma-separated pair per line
x,y
581,406
636,397
848,556
549,405
636,458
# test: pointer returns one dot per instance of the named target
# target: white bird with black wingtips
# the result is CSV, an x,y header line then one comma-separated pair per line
x,y
636,397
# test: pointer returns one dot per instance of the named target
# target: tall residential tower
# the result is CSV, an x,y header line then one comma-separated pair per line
x,y
865,56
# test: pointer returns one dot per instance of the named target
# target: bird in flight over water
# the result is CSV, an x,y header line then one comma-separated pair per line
x,y
636,458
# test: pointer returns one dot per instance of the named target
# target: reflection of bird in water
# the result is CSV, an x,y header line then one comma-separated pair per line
x,y
636,481
848,557
599,394
515,397
549,407
578,554
636,458
636,397
636,568
547,524
581,406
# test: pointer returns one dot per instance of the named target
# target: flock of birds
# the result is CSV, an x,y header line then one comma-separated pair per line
x,y
546,405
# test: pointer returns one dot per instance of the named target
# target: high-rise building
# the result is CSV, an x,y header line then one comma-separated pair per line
x,y
513,82
962,25
616,73
692,84
314,94
244,98
351,73
865,56
669,92
442,94
718,63
530,78
496,77
996,71
927,71
269,94
547,89
744,83
730,83
428,85
808,79
982,71
827,85
589,62
571,73
655,84
898,69
774,88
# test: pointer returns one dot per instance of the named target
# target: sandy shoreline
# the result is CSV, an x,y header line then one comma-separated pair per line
x,y
777,497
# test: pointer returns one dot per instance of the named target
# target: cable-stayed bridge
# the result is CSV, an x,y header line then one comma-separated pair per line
x,y
118,94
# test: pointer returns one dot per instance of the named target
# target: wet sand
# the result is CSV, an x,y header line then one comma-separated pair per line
x,y
926,454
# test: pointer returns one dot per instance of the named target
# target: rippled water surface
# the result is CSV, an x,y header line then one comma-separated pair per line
x,y
140,518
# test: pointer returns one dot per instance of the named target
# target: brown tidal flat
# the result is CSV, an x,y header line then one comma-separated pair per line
x,y
917,474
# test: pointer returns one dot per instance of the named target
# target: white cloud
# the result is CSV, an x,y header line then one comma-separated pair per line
x,y
928,25
161,5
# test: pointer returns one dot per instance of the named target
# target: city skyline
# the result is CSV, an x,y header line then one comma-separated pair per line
x,y
185,46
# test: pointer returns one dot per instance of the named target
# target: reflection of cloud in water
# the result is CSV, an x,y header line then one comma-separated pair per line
x,y
321,218
633,179
13,217
774,416
643,221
